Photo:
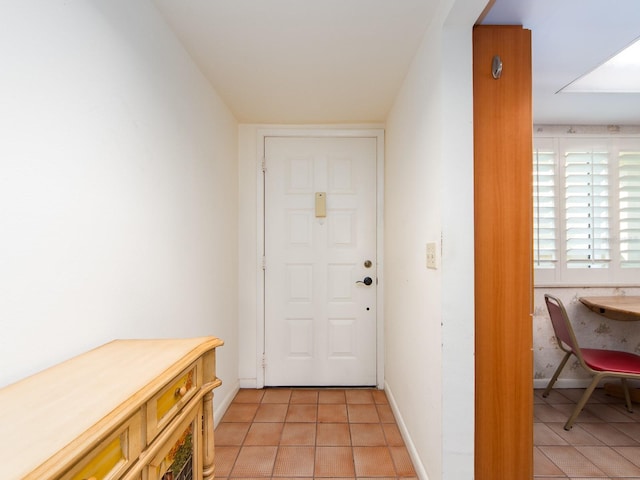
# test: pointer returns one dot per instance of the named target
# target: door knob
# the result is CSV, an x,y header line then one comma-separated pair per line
x,y
366,281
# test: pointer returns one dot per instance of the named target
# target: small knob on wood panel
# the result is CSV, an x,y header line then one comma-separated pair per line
x,y
180,392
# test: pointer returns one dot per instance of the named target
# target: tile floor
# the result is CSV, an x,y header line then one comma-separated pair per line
x,y
334,433
603,443
310,433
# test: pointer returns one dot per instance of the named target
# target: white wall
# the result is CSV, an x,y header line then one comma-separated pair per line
x,y
413,336
118,186
429,315
248,271
458,295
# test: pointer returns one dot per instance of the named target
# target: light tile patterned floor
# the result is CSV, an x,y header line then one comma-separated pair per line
x,y
311,433
603,443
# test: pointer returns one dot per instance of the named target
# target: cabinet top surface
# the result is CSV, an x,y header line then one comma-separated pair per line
x,y
45,412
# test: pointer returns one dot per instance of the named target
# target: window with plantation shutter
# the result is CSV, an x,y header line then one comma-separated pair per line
x,y
586,201
629,214
544,208
587,209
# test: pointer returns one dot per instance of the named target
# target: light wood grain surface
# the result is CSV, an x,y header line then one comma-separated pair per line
x,y
75,403
625,308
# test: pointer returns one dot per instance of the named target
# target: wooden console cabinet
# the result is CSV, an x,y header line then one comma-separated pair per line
x,y
131,410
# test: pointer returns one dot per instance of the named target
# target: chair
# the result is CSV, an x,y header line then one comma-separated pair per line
x,y
598,362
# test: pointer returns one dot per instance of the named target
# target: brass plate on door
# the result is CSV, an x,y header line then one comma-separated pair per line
x,y
321,204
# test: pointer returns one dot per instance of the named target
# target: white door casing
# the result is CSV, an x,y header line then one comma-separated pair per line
x,y
320,318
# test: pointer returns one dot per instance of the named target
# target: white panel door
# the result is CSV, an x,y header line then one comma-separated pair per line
x,y
320,266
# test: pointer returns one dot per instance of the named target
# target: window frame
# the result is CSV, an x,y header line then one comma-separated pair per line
x,y
561,141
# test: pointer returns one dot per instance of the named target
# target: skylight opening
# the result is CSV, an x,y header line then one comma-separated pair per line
x,y
620,74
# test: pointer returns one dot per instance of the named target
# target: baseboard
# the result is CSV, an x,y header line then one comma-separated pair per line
x,y
220,405
248,383
563,383
411,448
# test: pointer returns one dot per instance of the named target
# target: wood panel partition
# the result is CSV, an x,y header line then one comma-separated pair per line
x,y
503,259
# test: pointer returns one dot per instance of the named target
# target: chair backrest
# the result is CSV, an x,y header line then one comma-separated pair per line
x,y
561,325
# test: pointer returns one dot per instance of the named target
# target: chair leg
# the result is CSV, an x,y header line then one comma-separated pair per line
x,y
564,361
627,395
583,401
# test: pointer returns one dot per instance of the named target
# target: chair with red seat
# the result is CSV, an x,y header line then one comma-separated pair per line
x,y
598,362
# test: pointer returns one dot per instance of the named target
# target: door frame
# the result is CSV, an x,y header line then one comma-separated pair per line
x,y
262,134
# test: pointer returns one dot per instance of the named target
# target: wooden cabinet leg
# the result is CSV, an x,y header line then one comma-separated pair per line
x,y
208,471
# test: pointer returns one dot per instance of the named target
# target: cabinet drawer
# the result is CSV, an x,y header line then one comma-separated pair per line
x,y
164,405
113,456
180,457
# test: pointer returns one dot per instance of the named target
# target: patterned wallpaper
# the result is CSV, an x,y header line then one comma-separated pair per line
x,y
592,330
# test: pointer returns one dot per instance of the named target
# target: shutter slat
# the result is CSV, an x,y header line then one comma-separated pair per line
x,y
629,213
544,209
587,209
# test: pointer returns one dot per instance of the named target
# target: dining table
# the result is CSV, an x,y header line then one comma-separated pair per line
x,y
616,307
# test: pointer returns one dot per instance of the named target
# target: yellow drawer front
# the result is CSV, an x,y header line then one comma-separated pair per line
x,y
105,462
163,407
113,456
174,394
